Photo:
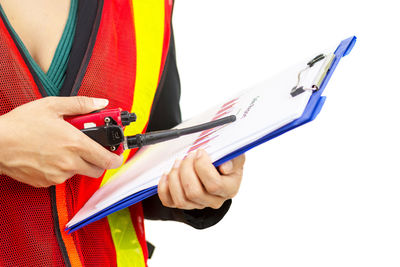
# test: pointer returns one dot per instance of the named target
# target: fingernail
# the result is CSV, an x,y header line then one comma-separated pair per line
x,y
100,102
199,153
177,164
227,166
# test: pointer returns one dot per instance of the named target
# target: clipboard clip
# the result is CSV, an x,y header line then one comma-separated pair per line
x,y
298,89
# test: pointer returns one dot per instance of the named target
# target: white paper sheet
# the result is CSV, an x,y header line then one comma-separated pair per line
x,y
260,110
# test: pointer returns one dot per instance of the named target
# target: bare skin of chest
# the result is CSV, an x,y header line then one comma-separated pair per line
x,y
39,24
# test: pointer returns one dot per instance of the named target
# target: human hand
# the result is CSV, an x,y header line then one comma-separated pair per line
x,y
39,148
194,183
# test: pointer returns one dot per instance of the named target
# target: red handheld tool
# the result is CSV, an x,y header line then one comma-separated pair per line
x,y
107,128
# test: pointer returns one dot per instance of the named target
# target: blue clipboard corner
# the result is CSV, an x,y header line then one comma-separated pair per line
x,y
313,108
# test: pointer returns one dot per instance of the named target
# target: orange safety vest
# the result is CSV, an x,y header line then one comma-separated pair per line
x,y
124,63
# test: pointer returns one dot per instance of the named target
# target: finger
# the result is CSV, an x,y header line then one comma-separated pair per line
x,y
214,183
97,155
177,194
239,161
163,192
226,168
193,188
233,165
75,105
88,169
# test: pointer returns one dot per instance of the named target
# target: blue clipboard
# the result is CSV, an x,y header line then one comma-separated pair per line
x,y
313,108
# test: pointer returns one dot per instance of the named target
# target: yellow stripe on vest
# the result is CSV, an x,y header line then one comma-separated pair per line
x,y
127,246
149,18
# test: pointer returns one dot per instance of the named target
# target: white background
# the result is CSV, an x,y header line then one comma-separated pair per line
x,y
325,194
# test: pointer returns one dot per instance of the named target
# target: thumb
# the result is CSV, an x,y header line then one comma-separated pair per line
x,y
75,105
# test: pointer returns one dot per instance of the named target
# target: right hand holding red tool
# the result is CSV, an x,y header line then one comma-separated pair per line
x,y
39,148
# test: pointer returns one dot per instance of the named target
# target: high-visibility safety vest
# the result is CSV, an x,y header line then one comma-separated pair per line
x,y
124,62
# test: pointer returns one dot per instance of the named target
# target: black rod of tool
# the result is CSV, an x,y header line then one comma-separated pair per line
x,y
150,138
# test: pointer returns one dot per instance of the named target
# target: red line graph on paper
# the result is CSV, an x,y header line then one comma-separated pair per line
x,y
206,136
